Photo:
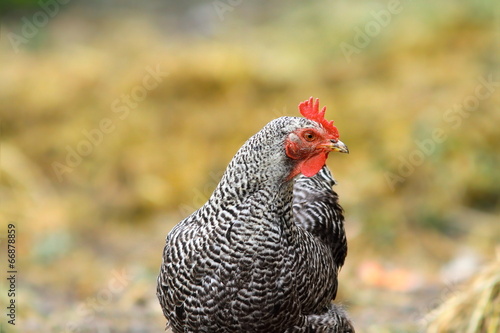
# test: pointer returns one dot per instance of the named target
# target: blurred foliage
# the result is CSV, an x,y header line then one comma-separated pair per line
x,y
228,75
7,6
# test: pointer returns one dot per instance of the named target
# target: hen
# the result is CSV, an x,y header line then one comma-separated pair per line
x,y
263,254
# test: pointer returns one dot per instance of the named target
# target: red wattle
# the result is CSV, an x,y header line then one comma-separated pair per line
x,y
312,165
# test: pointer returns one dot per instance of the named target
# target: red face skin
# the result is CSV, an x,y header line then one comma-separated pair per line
x,y
310,148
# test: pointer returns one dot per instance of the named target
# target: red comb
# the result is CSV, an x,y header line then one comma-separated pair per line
x,y
310,110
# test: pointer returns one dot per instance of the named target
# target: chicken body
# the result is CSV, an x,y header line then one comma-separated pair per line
x,y
256,258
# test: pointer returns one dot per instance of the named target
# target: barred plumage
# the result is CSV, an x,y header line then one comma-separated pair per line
x,y
316,209
247,261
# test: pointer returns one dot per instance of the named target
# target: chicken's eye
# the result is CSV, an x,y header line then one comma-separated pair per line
x,y
309,136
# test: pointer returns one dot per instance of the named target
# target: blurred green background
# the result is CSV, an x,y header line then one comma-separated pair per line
x,y
119,117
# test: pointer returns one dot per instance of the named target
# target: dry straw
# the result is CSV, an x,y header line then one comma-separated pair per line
x,y
475,308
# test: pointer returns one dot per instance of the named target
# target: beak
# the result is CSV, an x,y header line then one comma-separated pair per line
x,y
337,146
